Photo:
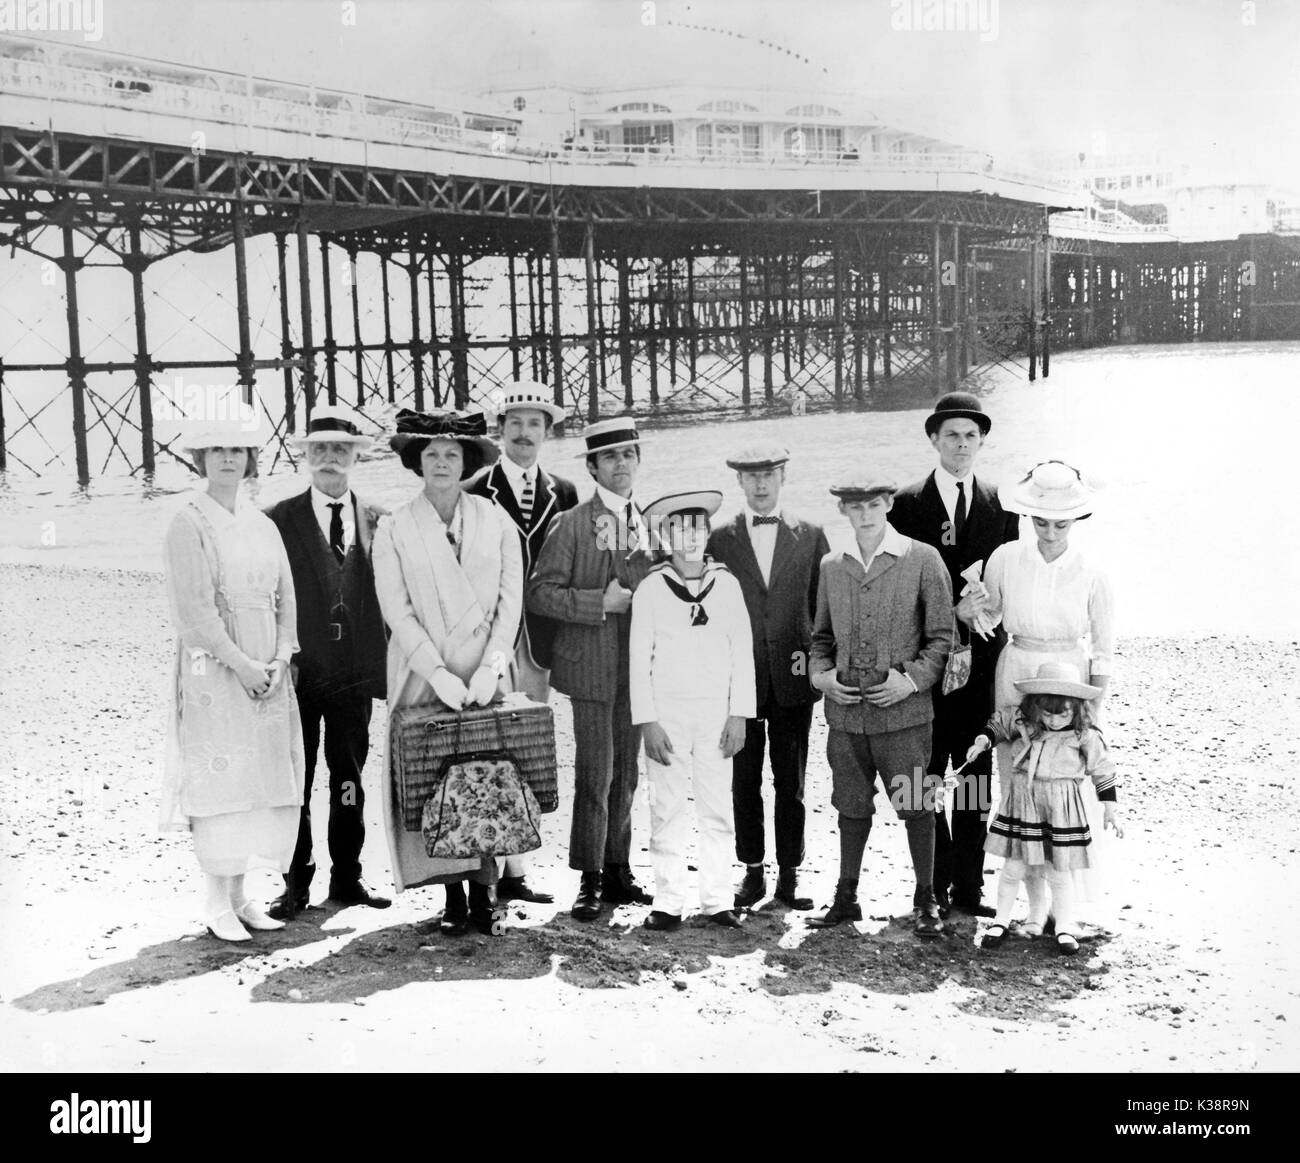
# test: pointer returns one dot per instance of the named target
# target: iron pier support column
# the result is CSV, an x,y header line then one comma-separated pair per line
x,y
143,366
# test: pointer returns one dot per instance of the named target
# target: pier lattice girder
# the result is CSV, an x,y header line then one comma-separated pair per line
x,y
666,299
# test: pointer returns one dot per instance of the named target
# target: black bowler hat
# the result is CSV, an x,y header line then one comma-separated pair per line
x,y
957,406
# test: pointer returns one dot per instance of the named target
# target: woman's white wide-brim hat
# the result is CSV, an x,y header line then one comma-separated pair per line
x,y
1058,678
527,394
231,433
1051,489
331,424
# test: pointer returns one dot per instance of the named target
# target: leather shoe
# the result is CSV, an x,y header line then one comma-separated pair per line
x,y
357,892
727,919
455,917
279,909
587,905
787,886
752,889
515,888
845,907
973,908
662,922
619,887
925,914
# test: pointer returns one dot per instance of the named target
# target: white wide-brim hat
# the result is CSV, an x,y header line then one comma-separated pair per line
x,y
1058,678
520,394
1051,489
332,424
228,433
707,499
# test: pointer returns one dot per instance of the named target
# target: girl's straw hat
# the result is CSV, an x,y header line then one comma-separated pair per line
x,y
1058,678
1051,489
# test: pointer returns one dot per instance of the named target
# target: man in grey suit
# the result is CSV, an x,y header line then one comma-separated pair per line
x,y
776,558
881,637
594,556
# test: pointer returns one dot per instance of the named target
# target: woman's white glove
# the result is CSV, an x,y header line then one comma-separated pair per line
x,y
449,688
483,686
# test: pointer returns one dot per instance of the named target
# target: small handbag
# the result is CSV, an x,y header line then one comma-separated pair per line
x,y
957,671
480,807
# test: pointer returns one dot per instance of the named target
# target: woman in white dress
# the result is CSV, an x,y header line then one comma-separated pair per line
x,y
449,576
1056,606
234,765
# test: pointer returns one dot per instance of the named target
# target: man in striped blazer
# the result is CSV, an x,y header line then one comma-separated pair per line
x,y
530,497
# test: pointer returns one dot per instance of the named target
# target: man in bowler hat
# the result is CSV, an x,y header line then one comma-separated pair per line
x,y
775,555
960,515
530,497
340,667
593,558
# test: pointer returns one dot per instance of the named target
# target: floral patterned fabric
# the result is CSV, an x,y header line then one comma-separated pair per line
x,y
482,807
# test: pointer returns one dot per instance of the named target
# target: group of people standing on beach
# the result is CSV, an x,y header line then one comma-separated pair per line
x,y
935,635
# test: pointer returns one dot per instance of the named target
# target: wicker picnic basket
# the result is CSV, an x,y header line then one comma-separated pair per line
x,y
426,735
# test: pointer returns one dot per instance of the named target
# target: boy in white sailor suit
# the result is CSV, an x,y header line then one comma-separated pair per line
x,y
691,679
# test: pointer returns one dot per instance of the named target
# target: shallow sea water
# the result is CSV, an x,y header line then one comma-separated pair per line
x,y
1191,440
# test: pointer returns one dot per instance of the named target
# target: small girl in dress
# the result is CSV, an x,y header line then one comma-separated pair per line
x,y
1041,825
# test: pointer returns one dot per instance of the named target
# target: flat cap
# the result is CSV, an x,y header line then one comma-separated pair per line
x,y
757,457
862,486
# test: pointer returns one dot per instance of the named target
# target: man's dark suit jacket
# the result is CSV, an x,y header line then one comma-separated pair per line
x,y
317,660
780,613
552,495
918,513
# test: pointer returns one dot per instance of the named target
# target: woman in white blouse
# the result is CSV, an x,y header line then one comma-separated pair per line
x,y
234,764
1054,604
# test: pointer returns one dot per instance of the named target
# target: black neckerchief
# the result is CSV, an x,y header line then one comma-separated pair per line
x,y
699,617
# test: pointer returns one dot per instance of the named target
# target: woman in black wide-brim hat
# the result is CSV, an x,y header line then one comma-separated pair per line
x,y
449,576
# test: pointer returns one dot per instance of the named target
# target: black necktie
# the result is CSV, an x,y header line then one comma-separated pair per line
x,y
959,518
336,530
633,538
773,520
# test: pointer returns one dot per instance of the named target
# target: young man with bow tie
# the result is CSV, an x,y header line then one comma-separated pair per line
x,y
594,557
530,497
340,667
775,556
961,517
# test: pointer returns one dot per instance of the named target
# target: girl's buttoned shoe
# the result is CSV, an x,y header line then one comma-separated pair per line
x,y
1065,943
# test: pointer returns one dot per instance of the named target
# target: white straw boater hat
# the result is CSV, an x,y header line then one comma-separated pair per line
x,y
333,424
707,499
1058,678
1051,489
527,394
618,432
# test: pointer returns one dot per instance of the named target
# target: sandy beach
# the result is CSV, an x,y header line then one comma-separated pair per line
x,y
1188,967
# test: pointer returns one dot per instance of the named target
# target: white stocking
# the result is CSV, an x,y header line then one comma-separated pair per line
x,y
1062,882
218,894
237,898
1039,901
1013,872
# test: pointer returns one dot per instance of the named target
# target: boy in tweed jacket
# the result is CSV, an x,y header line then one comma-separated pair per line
x,y
881,637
